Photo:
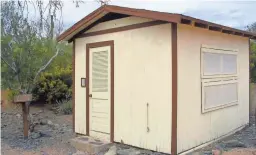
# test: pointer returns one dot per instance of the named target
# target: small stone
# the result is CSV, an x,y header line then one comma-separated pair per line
x,y
207,152
136,153
130,151
216,152
45,134
112,150
234,144
56,126
49,122
35,135
79,153
18,115
43,122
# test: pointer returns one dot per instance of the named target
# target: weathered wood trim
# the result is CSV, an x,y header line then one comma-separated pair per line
x,y
120,29
73,85
174,94
95,45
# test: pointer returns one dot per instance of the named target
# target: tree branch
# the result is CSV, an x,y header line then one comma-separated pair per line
x,y
15,71
47,64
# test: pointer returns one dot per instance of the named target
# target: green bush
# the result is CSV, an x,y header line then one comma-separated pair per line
x,y
11,94
54,86
66,107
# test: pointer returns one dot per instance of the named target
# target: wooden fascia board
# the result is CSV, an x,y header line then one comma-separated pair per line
x,y
175,18
80,25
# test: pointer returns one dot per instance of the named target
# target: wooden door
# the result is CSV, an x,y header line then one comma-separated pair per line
x,y
99,92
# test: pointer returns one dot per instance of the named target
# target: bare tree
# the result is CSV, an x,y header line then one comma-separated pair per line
x,y
103,2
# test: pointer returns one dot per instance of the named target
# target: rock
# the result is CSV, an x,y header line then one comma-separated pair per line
x,y
234,144
79,153
43,122
130,151
122,146
18,115
49,123
146,152
112,150
4,125
207,152
61,131
35,114
46,134
56,126
35,135
216,152
64,128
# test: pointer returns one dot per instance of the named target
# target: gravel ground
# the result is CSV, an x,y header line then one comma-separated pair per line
x,y
50,136
241,143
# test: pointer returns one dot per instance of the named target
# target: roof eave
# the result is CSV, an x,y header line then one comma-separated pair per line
x,y
69,34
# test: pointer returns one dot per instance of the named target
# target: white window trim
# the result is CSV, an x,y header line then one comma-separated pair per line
x,y
207,50
220,79
218,48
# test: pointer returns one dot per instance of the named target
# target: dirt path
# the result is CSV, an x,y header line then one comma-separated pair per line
x,y
50,136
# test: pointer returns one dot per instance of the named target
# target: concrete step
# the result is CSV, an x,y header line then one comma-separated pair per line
x,y
89,145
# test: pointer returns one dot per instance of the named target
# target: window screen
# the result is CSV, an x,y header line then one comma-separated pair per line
x,y
217,62
212,63
218,95
229,64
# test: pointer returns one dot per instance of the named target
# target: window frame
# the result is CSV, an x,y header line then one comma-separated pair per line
x,y
215,82
217,51
217,79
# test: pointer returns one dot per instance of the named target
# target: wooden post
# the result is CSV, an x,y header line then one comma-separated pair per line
x,y
25,101
25,113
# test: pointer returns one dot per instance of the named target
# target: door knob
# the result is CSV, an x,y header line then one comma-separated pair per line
x,y
90,95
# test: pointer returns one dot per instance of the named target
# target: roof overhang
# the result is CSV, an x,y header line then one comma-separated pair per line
x,y
93,17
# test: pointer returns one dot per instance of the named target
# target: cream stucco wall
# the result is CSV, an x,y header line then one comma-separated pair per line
x,y
195,128
142,75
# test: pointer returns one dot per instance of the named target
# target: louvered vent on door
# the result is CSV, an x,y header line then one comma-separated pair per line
x,y
100,71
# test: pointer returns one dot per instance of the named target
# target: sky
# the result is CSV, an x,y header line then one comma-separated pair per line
x,y
237,14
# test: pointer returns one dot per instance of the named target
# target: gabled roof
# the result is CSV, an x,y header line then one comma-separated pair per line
x,y
96,15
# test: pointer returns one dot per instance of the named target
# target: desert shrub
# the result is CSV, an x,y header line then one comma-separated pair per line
x,y
65,107
54,86
11,94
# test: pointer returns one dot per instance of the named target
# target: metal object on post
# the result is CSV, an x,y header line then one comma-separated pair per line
x,y
24,100
147,118
83,82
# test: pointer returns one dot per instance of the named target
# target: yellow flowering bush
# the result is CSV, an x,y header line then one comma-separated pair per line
x,y
55,85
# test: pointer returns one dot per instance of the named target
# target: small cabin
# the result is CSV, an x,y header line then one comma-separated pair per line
x,y
159,81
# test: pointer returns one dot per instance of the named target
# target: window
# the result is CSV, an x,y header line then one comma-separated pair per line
x,y
219,78
218,63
